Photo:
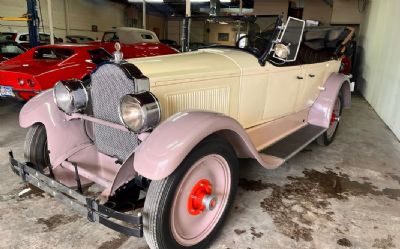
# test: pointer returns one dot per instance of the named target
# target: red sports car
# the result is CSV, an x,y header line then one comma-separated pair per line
x,y
134,43
40,68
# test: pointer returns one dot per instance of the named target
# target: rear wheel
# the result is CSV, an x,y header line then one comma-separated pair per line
x,y
329,135
186,209
35,149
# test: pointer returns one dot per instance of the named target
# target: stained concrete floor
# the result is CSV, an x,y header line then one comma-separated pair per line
x,y
346,195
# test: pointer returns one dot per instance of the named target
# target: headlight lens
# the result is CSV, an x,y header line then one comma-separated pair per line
x,y
70,96
140,111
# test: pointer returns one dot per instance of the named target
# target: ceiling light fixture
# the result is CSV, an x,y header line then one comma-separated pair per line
x,y
162,1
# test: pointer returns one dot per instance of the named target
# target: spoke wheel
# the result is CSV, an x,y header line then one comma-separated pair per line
x,y
186,209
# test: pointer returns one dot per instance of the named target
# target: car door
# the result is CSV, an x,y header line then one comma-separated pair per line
x,y
283,87
315,76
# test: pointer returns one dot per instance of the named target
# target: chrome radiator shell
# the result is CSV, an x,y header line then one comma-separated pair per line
x,y
109,83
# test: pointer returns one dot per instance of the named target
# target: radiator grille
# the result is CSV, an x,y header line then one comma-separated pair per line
x,y
109,84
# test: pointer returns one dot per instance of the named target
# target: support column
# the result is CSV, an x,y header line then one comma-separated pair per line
x,y
66,14
186,26
33,23
144,15
50,13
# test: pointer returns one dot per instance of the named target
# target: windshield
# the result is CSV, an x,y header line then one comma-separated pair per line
x,y
44,37
7,36
110,37
99,56
250,33
10,50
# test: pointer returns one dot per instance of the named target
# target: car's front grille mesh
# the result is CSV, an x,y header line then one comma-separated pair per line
x,y
108,84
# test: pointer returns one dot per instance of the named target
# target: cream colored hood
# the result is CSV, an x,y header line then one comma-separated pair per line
x,y
199,65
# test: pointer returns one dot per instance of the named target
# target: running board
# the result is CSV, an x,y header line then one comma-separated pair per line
x,y
294,143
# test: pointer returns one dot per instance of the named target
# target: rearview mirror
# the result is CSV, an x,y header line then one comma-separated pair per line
x,y
288,44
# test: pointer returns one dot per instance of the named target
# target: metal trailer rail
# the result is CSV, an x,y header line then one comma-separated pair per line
x,y
87,206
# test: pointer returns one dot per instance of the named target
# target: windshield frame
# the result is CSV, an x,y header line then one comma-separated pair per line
x,y
262,55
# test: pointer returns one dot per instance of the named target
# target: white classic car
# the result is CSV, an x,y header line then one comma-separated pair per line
x,y
174,126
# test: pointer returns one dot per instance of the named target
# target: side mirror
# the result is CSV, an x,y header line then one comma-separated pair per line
x,y
288,44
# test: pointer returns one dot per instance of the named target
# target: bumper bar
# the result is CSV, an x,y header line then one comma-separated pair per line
x,y
86,206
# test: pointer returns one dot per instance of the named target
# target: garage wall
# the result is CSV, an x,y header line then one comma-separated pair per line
x,y
271,7
216,29
157,24
174,30
82,15
346,12
317,10
379,78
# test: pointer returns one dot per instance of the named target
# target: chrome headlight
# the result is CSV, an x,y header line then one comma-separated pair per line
x,y
140,111
70,96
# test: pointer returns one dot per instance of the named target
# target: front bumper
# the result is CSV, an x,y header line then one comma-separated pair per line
x,y
87,206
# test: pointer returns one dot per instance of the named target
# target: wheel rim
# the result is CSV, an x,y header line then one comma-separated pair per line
x,y
188,227
335,118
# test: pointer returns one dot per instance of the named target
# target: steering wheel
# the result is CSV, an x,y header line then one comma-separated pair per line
x,y
252,48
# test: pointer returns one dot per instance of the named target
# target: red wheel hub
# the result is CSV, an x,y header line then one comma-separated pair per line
x,y
201,198
333,118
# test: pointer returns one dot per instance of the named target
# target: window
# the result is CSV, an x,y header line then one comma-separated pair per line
x,y
23,37
10,49
223,36
52,53
99,56
147,36
5,36
44,38
110,37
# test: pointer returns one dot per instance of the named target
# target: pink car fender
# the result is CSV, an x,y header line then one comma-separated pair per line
x,y
321,111
166,147
64,137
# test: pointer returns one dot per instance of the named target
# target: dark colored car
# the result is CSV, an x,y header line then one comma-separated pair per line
x,y
193,46
80,39
170,43
10,49
8,36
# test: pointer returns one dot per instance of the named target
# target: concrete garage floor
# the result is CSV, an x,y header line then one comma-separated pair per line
x,y
346,195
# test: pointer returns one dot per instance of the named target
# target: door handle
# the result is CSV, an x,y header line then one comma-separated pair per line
x,y
311,75
299,77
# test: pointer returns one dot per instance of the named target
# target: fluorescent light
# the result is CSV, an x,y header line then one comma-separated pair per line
x,y
161,1
205,1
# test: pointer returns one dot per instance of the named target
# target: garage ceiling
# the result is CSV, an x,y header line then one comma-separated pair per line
x,y
177,7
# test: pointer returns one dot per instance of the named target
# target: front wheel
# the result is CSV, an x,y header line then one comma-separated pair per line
x,y
35,148
186,209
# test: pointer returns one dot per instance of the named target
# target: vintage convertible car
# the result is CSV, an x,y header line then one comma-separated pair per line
x,y
173,127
